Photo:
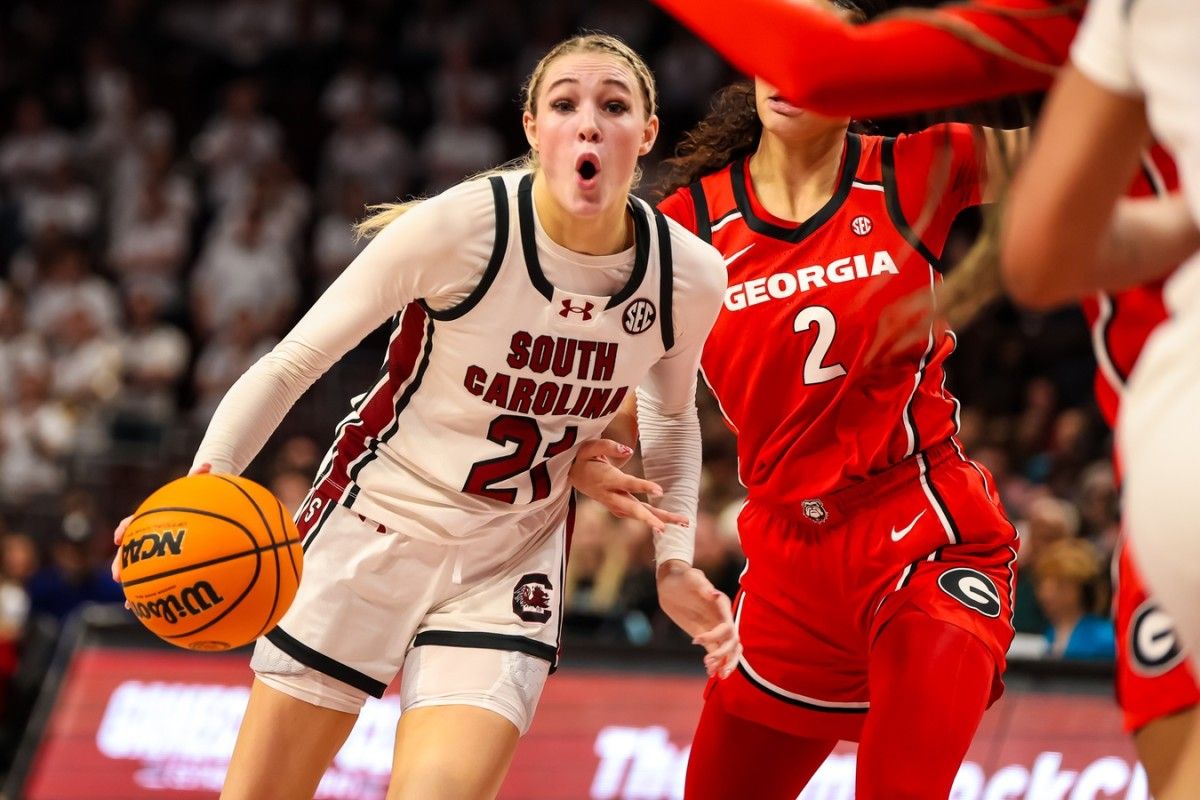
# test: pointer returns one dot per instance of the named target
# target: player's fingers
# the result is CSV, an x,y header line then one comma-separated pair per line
x,y
201,470
714,636
643,513
114,567
119,533
634,485
669,517
616,453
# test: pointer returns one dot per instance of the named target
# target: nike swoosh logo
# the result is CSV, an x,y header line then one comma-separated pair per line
x,y
737,255
897,535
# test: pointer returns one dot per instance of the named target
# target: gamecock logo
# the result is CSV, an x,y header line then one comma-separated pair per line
x,y
531,597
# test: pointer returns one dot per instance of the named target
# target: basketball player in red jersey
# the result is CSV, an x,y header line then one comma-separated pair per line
x,y
869,536
918,59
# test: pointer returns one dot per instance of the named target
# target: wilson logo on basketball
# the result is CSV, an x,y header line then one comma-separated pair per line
x,y
152,545
639,316
861,225
195,599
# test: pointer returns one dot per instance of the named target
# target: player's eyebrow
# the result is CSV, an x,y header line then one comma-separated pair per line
x,y
607,81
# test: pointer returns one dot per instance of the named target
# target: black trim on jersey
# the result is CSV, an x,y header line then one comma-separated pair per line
x,y
489,641
741,194
937,498
401,404
666,322
891,196
525,221
1105,330
793,701
499,248
324,664
700,207
641,257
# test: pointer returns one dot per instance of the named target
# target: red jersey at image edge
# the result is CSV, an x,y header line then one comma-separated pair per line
x,y
786,357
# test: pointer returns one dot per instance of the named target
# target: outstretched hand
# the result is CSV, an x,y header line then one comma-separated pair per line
x,y
701,610
597,474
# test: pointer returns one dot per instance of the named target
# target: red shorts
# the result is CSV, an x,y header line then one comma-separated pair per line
x,y
822,580
1154,678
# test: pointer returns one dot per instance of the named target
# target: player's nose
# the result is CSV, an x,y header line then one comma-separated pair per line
x,y
589,125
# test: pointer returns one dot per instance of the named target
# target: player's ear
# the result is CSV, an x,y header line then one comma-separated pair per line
x,y
529,122
649,135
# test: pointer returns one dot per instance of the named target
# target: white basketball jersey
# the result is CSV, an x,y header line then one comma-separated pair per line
x,y
474,421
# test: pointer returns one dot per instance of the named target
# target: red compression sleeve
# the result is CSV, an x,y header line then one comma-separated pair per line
x,y
889,66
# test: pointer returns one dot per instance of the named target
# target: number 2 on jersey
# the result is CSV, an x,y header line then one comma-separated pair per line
x,y
815,371
527,434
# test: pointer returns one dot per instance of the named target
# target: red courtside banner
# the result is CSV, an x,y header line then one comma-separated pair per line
x,y
133,723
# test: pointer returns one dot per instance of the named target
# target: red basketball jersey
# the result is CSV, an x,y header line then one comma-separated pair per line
x,y
786,357
1122,322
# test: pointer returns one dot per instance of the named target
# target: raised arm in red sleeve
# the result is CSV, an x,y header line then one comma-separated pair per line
x,y
898,64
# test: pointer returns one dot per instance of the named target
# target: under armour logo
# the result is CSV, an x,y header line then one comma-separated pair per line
x,y
568,308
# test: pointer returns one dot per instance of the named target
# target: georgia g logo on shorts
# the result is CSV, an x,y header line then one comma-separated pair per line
x,y
973,589
531,597
1153,646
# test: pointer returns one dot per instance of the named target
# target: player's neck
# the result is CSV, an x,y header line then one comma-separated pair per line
x,y
793,180
605,233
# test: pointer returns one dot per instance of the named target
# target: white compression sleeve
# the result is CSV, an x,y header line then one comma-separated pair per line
x,y
671,458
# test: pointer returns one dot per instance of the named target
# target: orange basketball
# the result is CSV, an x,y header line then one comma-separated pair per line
x,y
210,562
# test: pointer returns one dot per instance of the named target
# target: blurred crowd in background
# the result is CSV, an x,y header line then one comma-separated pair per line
x,y
178,182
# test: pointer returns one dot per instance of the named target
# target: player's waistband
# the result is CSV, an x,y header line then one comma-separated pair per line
x,y
841,503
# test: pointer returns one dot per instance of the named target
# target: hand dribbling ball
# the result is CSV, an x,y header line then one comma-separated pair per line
x,y
210,562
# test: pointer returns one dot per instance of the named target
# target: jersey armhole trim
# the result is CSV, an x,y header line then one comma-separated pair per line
x,y
324,664
666,319
700,208
895,210
499,248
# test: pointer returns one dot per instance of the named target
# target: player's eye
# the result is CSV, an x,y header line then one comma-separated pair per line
x,y
616,107
562,106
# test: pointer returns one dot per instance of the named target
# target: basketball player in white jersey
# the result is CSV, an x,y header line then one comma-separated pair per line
x,y
1135,69
525,306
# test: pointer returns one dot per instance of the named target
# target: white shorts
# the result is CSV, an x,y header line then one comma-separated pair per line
x,y
370,594
1159,441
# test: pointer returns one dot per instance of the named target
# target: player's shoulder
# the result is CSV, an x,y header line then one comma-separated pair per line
x,y
697,265
939,135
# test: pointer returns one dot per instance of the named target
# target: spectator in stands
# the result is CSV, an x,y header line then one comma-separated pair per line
x,y
33,149
363,149
154,359
1070,591
334,243
37,431
235,142
1048,520
61,202
242,270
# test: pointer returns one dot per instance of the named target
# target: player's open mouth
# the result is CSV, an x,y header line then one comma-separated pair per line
x,y
588,167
